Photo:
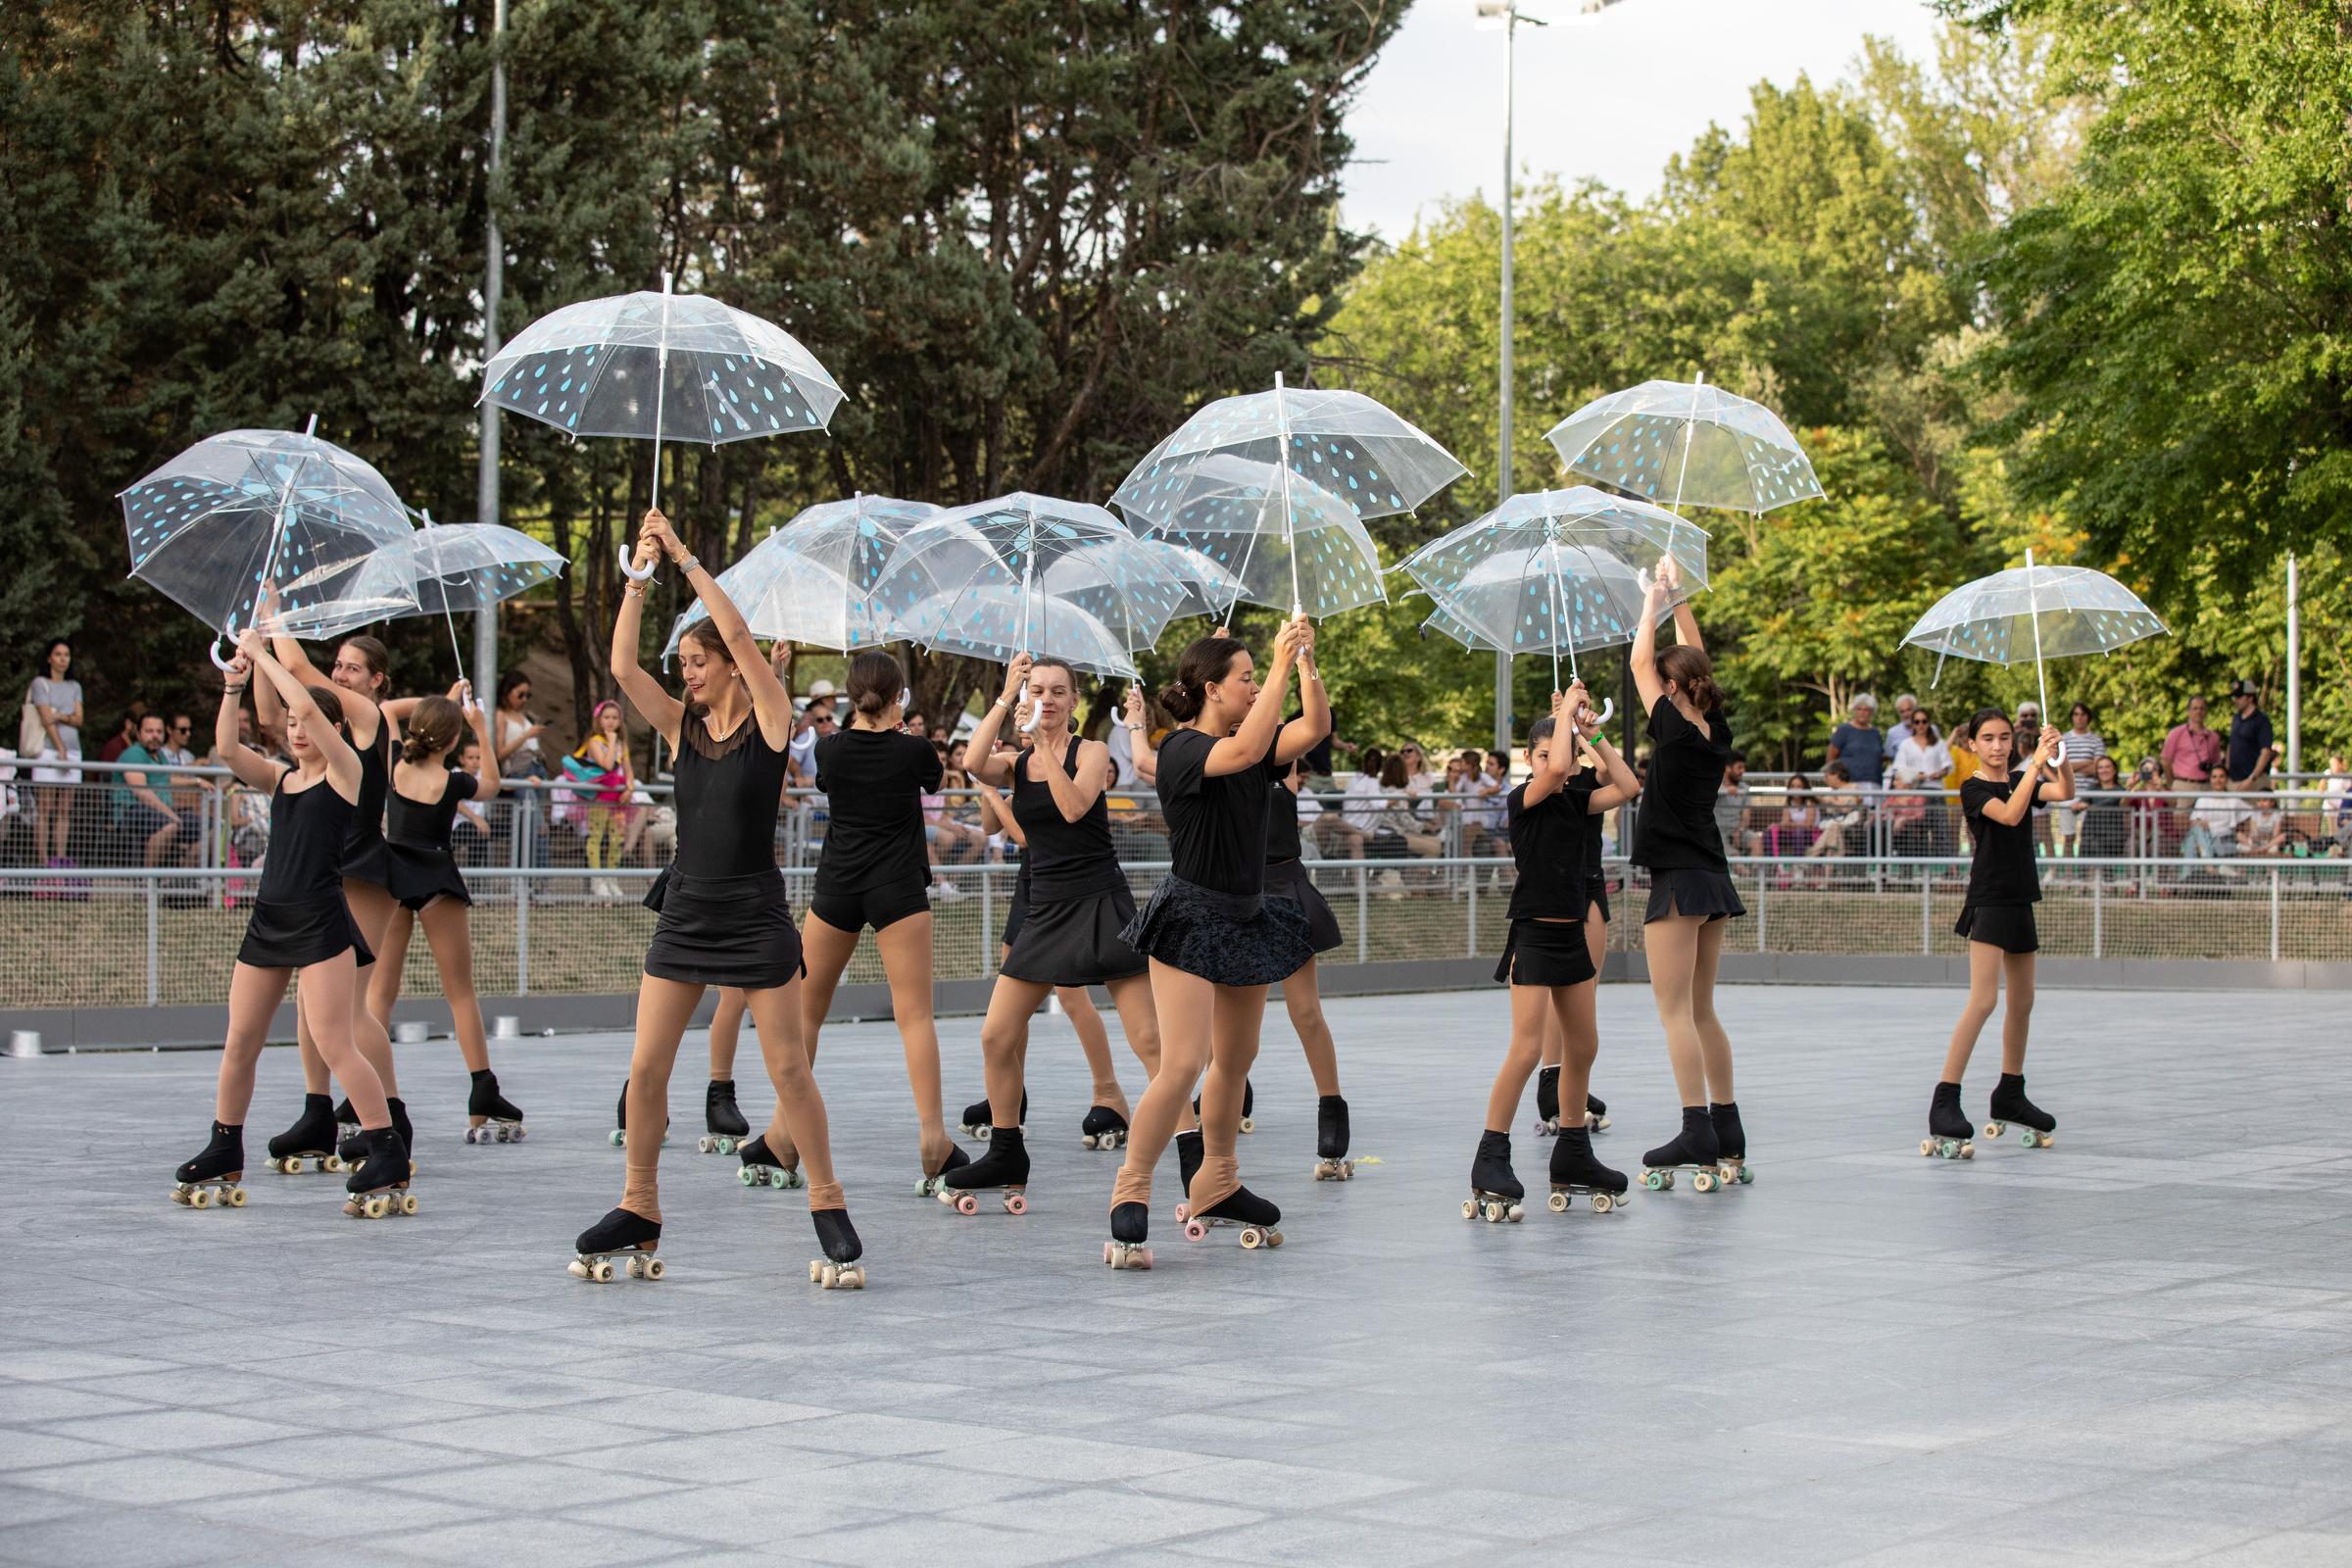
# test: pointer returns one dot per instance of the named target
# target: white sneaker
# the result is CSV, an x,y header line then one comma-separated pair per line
x,y
949,892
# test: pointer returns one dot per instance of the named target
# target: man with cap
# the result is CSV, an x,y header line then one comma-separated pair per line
x,y
2252,746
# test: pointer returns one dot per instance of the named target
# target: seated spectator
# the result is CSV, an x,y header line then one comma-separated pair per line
x,y
1915,815
141,810
2153,830
1841,812
1800,820
1346,830
1479,800
2106,830
126,735
1420,780
2214,821
1398,832
953,841
2262,835
1734,810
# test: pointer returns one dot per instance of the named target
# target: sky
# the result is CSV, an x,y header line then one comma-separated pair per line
x,y
1608,97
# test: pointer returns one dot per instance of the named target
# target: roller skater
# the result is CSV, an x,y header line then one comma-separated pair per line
x,y
1249,1122
1691,899
1004,1168
1548,1078
1494,1189
839,1269
1576,1172
724,920
493,1118
1255,1216
347,1120
976,1117
1130,1230
1332,1163
723,1122
210,1180
1102,1128
631,1238
620,1119
1548,1096
354,1149
1949,1130
312,1138
299,923
761,1167
1997,919
380,1185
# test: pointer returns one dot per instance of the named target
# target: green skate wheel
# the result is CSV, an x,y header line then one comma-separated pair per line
x,y
618,1138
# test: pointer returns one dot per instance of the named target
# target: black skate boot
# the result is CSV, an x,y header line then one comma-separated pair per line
x,y
1494,1190
1731,1145
1332,1163
354,1149
928,1186
495,1119
1248,1104
2010,1104
1130,1230
1253,1215
620,1118
1188,1152
313,1137
210,1179
1596,1113
761,1167
1693,1149
724,1124
379,1187
629,1237
838,1269
1547,1102
1949,1126
347,1120
1005,1167
1102,1128
977,1117
1574,1170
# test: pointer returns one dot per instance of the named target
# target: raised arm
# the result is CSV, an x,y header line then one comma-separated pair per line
x,y
361,714
771,699
1645,655
1305,733
1074,796
654,705
2042,767
1623,784
1138,720
487,785
252,768
991,768
1545,778
1247,746
342,763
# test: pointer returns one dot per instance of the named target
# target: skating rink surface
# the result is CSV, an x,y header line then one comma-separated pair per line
x,y
2132,1347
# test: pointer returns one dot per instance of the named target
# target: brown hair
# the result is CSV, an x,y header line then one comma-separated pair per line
x,y
329,703
1205,659
435,726
1690,668
376,656
874,682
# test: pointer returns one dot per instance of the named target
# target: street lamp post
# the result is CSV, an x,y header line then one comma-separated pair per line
x,y
485,621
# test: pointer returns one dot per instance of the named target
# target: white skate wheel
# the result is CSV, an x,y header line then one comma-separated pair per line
x,y
817,1269
1248,1124
1560,1202
1469,1209
652,1268
407,1203
1517,1214
200,1198
1250,1239
604,1272
1602,1202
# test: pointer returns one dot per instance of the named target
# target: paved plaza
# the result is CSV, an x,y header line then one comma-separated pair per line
x,y
2134,1347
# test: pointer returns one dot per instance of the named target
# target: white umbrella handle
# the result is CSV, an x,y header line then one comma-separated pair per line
x,y
1035,713
1608,707
212,649
905,696
629,571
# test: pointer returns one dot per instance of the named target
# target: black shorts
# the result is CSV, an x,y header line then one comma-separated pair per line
x,y
879,908
141,820
1545,953
1691,890
2006,926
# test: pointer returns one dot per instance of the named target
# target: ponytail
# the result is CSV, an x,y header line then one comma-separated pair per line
x,y
435,727
1205,659
1690,668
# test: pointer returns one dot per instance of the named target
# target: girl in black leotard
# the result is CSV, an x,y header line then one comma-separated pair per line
x,y
300,925
423,878
1079,900
724,918
360,679
1214,940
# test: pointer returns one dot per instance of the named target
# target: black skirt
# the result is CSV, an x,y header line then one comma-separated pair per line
x,y
1289,879
1693,892
1017,913
287,936
2006,926
1545,953
1599,892
421,875
1226,938
368,862
1075,942
723,931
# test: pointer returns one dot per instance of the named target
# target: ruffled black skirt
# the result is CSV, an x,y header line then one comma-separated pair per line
x,y
723,931
2006,926
288,936
1289,879
1074,941
1545,953
1019,912
1691,891
369,861
420,875
1226,938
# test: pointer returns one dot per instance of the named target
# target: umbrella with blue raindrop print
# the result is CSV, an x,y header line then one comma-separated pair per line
x,y
1277,539
812,581
442,567
1679,444
2035,612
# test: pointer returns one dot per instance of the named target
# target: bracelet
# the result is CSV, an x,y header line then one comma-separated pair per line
x,y
1135,729
633,586
237,690
691,564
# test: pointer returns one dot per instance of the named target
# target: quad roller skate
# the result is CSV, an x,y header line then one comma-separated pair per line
x,y
2034,1125
1102,1128
347,1120
1576,1173
1494,1190
839,1269
1242,1208
354,1149
1130,1229
1731,1145
312,1138
1249,1107
1003,1168
977,1117
1693,1149
1596,1113
630,1237
1948,1127
380,1186
210,1180
1332,1163
762,1168
929,1185
1547,1102
492,1118
724,1128
1189,1150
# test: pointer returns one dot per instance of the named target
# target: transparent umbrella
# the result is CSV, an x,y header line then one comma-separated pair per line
x,y
1688,444
1372,461
2034,613
812,581
1280,539
1555,571
1209,587
970,623
442,568
247,515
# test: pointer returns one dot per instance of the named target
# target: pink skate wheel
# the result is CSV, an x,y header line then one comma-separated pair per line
x,y
966,1203
1183,1211
1194,1230
1016,1204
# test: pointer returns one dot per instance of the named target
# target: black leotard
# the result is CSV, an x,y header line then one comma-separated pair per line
x,y
728,792
425,825
363,857
308,829
421,864
1064,859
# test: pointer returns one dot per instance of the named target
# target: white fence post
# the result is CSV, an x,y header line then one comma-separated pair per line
x,y
155,978
521,886
2274,915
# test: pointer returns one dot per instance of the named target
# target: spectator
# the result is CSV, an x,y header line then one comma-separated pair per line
x,y
1398,832
1904,706
2106,828
1915,819
2191,750
1420,780
468,833
1734,809
953,840
1346,830
517,734
917,726
126,735
2151,810
604,764
2028,722
2213,823
1800,819
1481,805
1857,745
2335,799
2263,833
1964,765
56,703
141,810
2077,750
1841,810
2252,748
955,755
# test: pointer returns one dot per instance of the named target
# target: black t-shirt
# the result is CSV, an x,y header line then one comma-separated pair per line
x,y
2249,737
2003,871
1596,873
1216,826
874,781
1675,830
1548,845
1282,824
425,825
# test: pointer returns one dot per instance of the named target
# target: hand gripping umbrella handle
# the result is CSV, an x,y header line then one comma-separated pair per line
x,y
629,571
212,649
1609,705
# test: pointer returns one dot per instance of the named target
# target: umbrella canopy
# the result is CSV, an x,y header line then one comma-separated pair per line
x,y
812,581
1555,571
2034,613
250,514
968,622
1688,444
1210,589
1285,542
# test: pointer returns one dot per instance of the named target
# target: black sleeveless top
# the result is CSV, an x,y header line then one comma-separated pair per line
x,y
1282,824
425,825
1064,859
727,795
376,782
308,829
